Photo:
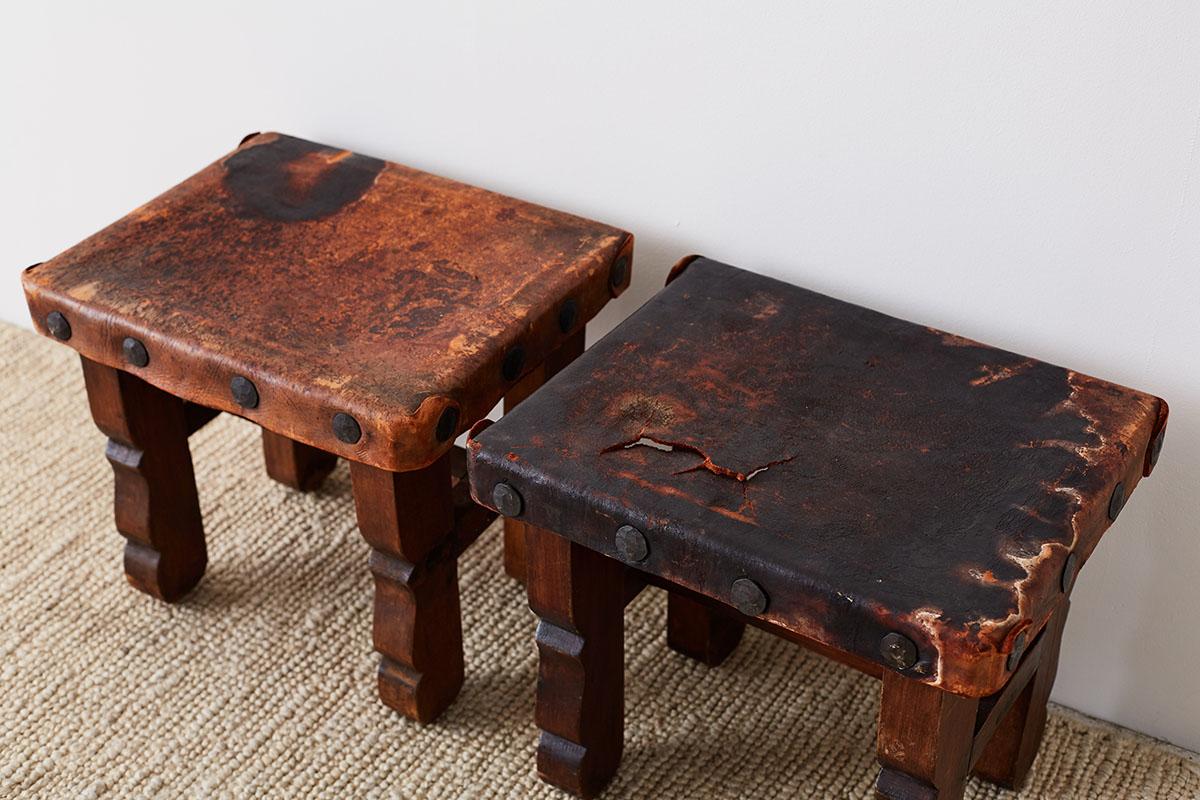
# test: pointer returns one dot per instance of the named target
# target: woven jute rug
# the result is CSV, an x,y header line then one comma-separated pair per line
x,y
261,683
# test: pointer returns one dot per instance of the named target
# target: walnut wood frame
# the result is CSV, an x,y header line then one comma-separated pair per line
x,y
417,523
929,740
514,530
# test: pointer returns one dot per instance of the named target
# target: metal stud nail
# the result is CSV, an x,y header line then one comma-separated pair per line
x,y
1070,570
507,500
1156,446
244,392
135,352
346,428
447,424
898,650
567,314
1014,658
1117,501
514,362
632,544
58,326
619,272
748,597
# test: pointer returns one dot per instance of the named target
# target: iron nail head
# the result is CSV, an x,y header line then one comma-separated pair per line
x,y
447,424
244,392
135,352
346,428
514,362
1157,446
898,650
58,326
1117,501
507,500
1070,570
632,544
1014,658
748,597
619,272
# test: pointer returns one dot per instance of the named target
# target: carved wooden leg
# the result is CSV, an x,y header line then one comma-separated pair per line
x,y
514,530
579,597
925,741
156,507
294,464
1008,756
701,630
407,518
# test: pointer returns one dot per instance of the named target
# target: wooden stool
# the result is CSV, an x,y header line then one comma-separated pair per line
x,y
905,501
351,307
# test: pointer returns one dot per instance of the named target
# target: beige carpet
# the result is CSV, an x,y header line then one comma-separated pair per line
x,y
262,682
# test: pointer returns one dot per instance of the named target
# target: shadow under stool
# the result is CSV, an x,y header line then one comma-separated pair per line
x,y
352,308
908,502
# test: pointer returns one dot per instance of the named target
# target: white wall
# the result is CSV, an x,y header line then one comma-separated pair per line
x,y
1024,174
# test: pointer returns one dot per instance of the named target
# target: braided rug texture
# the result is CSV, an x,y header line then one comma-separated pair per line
x,y
261,682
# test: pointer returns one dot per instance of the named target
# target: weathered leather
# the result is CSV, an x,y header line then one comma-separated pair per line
x,y
336,283
871,475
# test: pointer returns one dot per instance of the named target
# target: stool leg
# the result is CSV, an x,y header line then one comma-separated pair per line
x,y
514,530
156,507
1008,755
299,466
407,518
700,630
578,596
925,740
514,549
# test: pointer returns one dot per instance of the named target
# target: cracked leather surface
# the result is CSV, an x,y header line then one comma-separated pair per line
x,y
870,474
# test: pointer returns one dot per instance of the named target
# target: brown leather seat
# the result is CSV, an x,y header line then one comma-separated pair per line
x,y
909,502
336,284
351,307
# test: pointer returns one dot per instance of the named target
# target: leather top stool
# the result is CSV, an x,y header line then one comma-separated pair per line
x,y
905,501
353,308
